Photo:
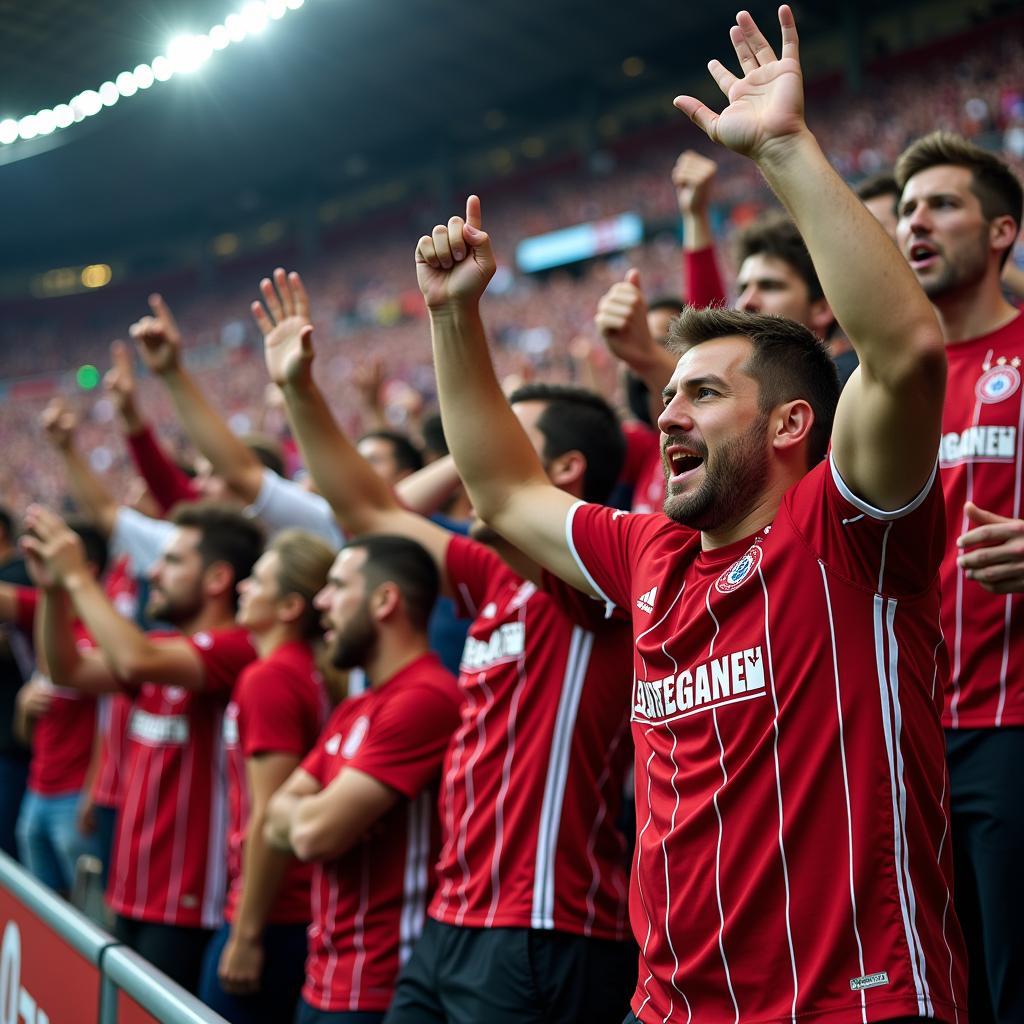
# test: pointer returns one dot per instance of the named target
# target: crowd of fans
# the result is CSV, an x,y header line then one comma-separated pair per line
x,y
344,751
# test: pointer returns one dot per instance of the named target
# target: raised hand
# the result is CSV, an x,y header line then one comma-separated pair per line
x,y
455,262
993,551
51,540
766,104
119,383
158,337
692,176
621,320
59,424
283,319
368,379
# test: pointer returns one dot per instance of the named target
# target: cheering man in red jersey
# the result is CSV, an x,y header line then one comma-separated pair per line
x,y
167,876
528,920
793,856
960,211
363,802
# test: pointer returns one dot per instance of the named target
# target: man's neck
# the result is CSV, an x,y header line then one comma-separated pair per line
x,y
973,312
390,658
210,618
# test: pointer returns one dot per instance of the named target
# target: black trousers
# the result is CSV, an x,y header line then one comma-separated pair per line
x,y
513,976
176,951
987,803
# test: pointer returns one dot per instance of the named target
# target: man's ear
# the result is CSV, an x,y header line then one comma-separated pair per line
x,y
384,601
568,470
1002,233
791,425
218,579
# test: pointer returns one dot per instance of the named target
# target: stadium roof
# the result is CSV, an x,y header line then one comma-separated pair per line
x,y
333,90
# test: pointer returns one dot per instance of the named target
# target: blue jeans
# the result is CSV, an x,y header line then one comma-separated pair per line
x,y
49,843
284,969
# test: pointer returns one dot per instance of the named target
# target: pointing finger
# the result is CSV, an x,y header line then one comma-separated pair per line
x,y
473,213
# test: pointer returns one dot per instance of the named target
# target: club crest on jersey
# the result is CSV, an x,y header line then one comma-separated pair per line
x,y
997,384
740,571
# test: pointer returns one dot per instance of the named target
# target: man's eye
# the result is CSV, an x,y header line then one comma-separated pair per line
x,y
706,392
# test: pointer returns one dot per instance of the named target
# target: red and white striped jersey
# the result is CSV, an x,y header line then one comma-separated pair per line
x,y
533,781
793,857
369,904
169,864
114,710
980,460
279,707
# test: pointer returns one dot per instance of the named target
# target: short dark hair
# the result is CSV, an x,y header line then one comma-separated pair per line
x,y
881,184
433,434
669,303
998,189
226,535
788,362
406,454
577,419
93,541
7,523
406,563
774,234
267,450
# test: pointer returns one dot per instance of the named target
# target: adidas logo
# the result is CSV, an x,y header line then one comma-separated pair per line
x,y
645,602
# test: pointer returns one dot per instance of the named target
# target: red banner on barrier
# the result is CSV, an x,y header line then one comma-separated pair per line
x,y
131,1012
43,979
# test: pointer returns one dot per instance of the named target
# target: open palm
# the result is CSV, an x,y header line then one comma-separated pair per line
x,y
766,103
283,319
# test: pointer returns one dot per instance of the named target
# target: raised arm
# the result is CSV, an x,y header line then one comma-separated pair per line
x,y
159,342
887,426
88,492
503,474
360,499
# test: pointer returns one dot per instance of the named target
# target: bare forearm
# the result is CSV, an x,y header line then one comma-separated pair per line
x,y
426,490
123,644
696,230
263,868
854,259
55,647
228,454
88,492
491,450
352,489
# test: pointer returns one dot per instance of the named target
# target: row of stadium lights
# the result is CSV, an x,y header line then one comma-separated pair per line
x,y
185,54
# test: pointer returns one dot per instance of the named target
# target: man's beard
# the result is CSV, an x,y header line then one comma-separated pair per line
x,y
175,611
959,271
353,644
733,479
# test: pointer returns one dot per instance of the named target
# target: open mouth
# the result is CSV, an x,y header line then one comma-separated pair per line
x,y
922,253
683,461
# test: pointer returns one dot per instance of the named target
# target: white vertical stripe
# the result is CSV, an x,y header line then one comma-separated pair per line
x,y
881,564
185,758
581,645
595,829
846,787
778,790
414,885
359,930
330,926
506,778
885,695
1008,604
126,817
460,846
959,612
640,883
215,882
953,998
450,835
894,689
668,892
155,759
718,859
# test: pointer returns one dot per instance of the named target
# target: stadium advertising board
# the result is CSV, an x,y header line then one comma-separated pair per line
x,y
43,979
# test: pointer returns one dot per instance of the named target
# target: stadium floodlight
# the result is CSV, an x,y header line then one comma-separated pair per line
x,y
143,76
109,94
185,54
126,84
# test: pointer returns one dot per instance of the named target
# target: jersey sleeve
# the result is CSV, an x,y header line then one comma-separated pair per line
x,y
702,283
407,739
896,553
474,570
166,481
282,503
26,601
274,715
224,653
605,543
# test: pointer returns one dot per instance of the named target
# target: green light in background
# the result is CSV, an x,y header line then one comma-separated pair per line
x,y
88,377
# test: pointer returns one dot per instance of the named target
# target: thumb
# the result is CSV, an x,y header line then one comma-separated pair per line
x,y
162,311
306,340
980,516
478,240
633,277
